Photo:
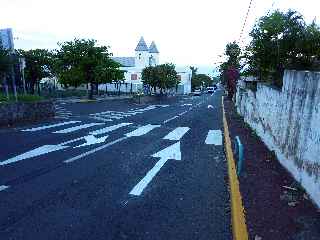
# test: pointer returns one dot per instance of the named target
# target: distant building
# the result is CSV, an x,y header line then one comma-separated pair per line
x,y
6,38
146,56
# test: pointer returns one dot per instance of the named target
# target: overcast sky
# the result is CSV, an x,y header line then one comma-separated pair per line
x,y
187,32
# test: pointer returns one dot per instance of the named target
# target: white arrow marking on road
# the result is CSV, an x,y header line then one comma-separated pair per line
x,y
3,187
214,137
49,126
142,130
33,153
109,129
171,152
177,133
73,129
138,132
90,140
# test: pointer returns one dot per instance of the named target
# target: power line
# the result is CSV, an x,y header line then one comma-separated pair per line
x,y
245,20
271,7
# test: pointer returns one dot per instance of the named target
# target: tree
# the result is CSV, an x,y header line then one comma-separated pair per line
x,y
39,64
193,71
5,65
150,77
201,80
81,61
229,70
162,76
282,40
108,71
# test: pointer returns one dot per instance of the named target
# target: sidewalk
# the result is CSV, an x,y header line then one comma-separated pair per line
x,y
275,205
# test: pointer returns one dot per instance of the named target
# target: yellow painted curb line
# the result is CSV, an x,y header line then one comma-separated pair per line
x,y
239,227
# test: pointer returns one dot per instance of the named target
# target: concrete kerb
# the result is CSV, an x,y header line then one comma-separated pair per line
x,y
239,227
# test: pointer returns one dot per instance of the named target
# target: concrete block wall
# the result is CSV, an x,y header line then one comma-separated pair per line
x,y
288,121
12,113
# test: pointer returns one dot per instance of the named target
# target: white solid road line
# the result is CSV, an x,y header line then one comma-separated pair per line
x,y
170,119
3,187
180,114
142,130
49,126
33,153
171,152
214,137
76,128
94,150
177,133
109,129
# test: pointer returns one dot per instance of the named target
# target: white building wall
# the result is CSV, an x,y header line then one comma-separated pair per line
x,y
142,59
288,121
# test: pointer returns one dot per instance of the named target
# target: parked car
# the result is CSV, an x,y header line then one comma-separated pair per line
x,y
210,89
197,92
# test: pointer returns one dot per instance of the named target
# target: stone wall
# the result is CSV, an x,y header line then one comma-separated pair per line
x,y
288,121
13,113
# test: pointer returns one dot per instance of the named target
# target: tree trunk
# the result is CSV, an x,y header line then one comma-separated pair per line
x,y
38,86
14,87
5,83
119,89
90,96
106,88
131,88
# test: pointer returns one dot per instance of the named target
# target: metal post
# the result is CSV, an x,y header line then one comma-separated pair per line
x,y
239,151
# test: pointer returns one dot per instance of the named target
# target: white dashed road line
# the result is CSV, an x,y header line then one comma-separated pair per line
x,y
177,133
49,126
109,129
73,129
214,137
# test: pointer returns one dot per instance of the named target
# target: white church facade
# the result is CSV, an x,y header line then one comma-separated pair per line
x,y
145,56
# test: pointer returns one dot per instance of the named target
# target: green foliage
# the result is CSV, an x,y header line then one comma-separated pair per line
x,y
233,57
282,40
201,80
39,64
21,98
193,71
5,62
81,61
162,76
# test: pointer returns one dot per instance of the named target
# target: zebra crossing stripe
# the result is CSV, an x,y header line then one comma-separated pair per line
x,y
73,129
177,133
49,126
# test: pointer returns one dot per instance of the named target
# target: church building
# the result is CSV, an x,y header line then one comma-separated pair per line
x,y
146,56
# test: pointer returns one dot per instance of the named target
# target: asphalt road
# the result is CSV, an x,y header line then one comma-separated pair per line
x,y
117,170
